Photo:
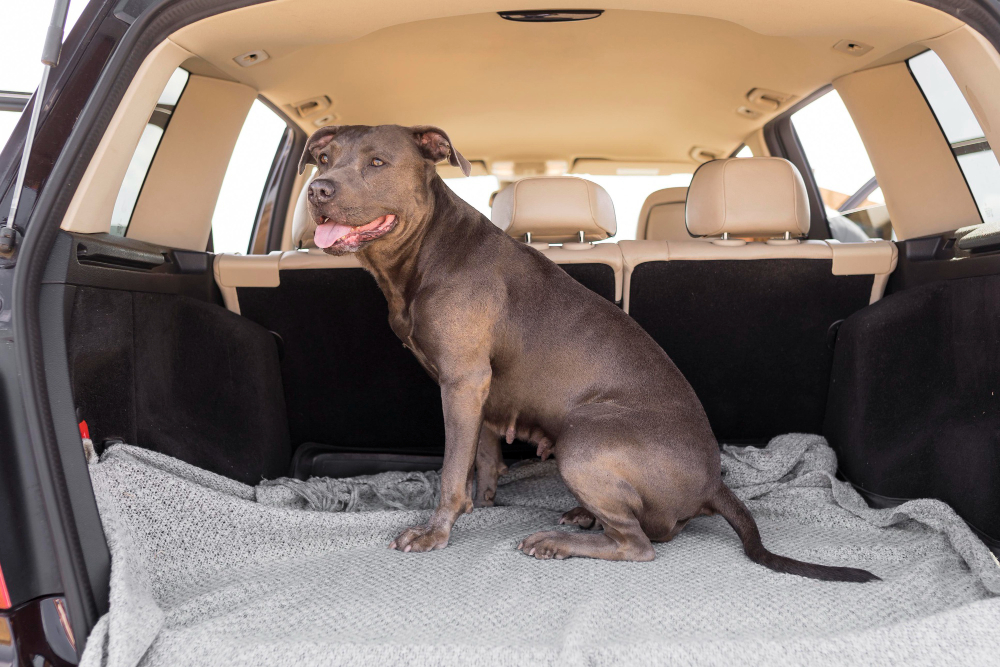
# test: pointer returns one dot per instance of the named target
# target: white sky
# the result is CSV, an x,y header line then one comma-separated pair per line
x,y
22,31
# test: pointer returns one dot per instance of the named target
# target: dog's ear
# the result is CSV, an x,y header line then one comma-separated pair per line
x,y
318,140
435,145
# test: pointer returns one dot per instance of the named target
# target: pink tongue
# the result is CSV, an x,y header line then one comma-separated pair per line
x,y
327,234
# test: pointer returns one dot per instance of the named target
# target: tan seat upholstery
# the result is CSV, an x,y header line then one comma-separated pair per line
x,y
758,196
662,216
752,324
303,226
557,210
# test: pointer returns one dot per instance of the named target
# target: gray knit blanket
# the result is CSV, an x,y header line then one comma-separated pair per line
x,y
207,571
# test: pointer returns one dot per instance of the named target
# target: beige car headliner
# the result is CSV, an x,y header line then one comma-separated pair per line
x,y
645,81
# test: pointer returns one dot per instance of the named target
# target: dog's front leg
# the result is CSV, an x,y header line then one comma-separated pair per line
x,y
463,398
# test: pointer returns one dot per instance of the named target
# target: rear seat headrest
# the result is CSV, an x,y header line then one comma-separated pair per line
x,y
662,216
555,209
752,196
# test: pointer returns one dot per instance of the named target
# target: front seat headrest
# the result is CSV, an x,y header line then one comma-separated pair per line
x,y
555,209
662,216
303,226
750,196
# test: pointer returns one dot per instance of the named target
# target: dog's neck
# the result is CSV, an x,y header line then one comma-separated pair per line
x,y
448,226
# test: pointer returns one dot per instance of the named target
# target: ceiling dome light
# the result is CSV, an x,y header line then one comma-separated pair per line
x,y
551,15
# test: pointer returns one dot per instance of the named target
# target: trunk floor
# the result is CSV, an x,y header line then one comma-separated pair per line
x,y
209,571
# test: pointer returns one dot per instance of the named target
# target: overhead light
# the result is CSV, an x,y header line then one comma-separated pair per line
x,y
251,58
852,47
551,15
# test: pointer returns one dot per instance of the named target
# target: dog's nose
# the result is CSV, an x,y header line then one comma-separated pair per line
x,y
321,191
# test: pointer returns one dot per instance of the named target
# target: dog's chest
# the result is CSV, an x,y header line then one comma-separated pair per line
x,y
401,322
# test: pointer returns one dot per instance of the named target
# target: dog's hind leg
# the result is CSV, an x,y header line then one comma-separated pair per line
x,y
489,466
589,472
580,516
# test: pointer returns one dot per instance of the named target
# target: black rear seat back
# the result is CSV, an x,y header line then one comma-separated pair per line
x,y
573,213
752,324
348,380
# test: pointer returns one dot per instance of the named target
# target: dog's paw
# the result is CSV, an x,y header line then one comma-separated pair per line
x,y
421,538
578,516
546,545
485,499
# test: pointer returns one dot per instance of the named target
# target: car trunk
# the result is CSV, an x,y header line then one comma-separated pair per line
x,y
237,409
231,438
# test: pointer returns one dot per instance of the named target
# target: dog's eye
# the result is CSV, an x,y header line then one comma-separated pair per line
x,y
377,162
324,159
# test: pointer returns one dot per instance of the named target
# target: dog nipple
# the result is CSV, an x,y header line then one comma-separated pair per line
x,y
510,434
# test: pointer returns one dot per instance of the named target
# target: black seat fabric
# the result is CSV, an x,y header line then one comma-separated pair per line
x,y
754,338
914,409
598,278
749,312
179,376
348,379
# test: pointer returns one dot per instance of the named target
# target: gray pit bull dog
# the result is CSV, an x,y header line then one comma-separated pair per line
x,y
520,349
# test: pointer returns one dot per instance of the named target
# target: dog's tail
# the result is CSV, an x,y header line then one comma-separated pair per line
x,y
736,513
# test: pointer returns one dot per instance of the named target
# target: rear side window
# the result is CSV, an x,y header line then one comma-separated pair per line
x,y
855,207
973,152
243,186
145,151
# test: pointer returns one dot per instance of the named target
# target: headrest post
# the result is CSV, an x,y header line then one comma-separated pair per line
x,y
582,236
788,236
527,237
725,236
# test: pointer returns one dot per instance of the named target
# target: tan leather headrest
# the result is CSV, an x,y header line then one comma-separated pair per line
x,y
303,226
662,216
555,209
750,196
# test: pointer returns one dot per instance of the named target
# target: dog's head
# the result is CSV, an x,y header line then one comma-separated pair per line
x,y
372,181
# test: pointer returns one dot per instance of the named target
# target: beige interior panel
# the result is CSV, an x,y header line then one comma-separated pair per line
x,y
646,81
182,186
317,259
94,200
975,65
851,259
924,189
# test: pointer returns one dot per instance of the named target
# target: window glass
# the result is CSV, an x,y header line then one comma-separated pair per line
x,y
8,119
854,204
744,152
628,194
973,152
475,190
246,176
145,150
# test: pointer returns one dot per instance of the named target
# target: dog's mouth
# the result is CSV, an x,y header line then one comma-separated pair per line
x,y
336,235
